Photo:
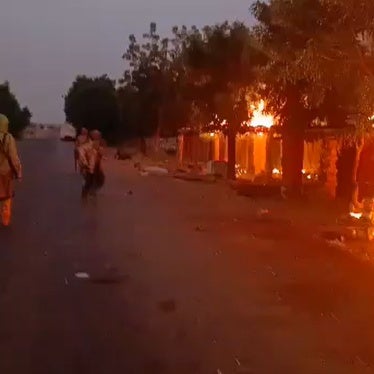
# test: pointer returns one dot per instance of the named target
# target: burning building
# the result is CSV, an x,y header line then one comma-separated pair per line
x,y
258,147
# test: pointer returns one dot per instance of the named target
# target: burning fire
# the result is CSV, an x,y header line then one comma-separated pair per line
x,y
258,118
355,215
240,171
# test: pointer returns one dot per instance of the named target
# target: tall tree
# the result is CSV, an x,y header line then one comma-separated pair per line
x,y
313,46
221,63
344,48
153,74
19,118
130,111
92,103
283,32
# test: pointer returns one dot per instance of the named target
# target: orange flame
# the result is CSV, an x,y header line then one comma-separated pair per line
x,y
258,118
355,215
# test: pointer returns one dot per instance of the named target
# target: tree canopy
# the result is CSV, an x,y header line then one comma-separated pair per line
x,y
19,118
221,63
313,47
316,45
153,79
92,103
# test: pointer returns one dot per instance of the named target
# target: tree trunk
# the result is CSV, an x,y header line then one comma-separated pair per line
x,y
269,154
329,168
180,149
292,162
143,145
156,142
231,161
158,130
345,164
359,147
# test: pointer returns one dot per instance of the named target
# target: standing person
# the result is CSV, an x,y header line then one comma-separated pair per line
x,y
10,169
90,161
86,167
82,138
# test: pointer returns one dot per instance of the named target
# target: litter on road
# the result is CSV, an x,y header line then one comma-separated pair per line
x,y
81,275
155,170
262,212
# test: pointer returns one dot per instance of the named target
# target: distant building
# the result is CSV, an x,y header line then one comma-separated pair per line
x,y
41,131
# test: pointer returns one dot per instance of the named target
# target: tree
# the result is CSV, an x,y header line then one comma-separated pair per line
x,y
344,48
130,112
283,33
154,77
313,46
92,103
221,64
19,118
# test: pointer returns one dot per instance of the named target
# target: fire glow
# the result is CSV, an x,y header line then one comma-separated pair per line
x,y
259,118
240,171
258,121
355,215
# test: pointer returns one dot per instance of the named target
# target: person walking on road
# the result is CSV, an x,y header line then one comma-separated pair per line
x,y
90,157
82,138
10,169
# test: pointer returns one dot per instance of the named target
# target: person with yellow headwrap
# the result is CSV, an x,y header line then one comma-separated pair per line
x,y
10,169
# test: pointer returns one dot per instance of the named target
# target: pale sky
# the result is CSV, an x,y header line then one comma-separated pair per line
x,y
44,44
